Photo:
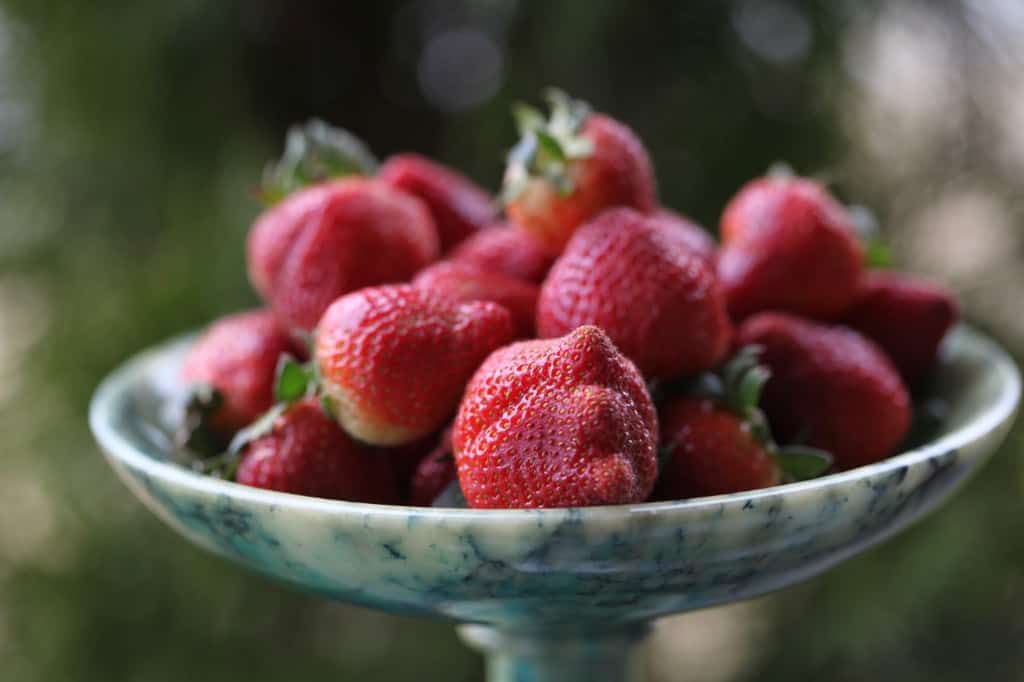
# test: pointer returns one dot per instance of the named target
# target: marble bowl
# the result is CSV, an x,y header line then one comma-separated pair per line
x,y
556,593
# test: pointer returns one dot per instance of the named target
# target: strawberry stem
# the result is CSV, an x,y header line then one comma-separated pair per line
x,y
315,151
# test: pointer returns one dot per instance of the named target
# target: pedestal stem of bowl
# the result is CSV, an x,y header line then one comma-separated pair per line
x,y
556,656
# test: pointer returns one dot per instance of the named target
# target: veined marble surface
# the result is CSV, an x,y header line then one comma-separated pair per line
x,y
597,568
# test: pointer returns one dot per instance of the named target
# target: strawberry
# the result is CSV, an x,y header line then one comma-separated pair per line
x,y
830,388
461,282
435,472
788,245
713,452
697,238
562,422
394,360
231,373
405,458
329,239
458,206
570,167
716,440
907,316
657,299
506,249
305,452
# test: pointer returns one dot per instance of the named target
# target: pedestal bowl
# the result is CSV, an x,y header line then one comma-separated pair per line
x,y
555,594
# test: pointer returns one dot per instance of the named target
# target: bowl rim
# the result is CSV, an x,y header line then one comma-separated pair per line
x,y
117,446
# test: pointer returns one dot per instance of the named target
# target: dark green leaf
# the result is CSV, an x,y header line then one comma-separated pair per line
x,y
294,379
877,255
748,393
195,434
315,151
550,145
802,462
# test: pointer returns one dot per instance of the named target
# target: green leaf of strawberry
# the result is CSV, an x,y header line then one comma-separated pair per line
x,y
195,433
294,379
315,151
802,462
547,146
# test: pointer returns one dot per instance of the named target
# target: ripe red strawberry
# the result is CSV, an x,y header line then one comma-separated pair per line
x,y
556,423
327,240
462,283
307,453
830,387
435,472
458,206
657,300
236,357
715,439
569,168
697,238
788,245
713,451
505,249
395,359
907,316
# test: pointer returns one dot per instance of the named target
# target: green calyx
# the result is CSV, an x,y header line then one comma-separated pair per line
x,y
313,152
196,435
877,254
738,386
293,381
547,146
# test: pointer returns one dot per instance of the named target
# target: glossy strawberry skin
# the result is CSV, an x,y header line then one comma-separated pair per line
x,y
697,239
617,173
713,452
830,388
458,206
307,453
327,240
788,245
907,316
435,472
506,249
395,359
237,355
462,283
657,300
556,423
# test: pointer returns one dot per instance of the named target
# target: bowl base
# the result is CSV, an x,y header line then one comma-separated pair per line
x,y
559,656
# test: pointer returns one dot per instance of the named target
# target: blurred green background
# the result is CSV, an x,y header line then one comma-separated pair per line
x,y
132,134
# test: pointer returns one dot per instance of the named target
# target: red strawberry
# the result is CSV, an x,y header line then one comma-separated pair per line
x,y
830,387
569,168
435,473
697,238
307,453
461,282
327,240
788,245
237,357
657,300
505,249
713,452
459,207
395,359
907,316
557,423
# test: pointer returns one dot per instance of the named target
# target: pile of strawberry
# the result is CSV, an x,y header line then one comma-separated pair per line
x,y
590,348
